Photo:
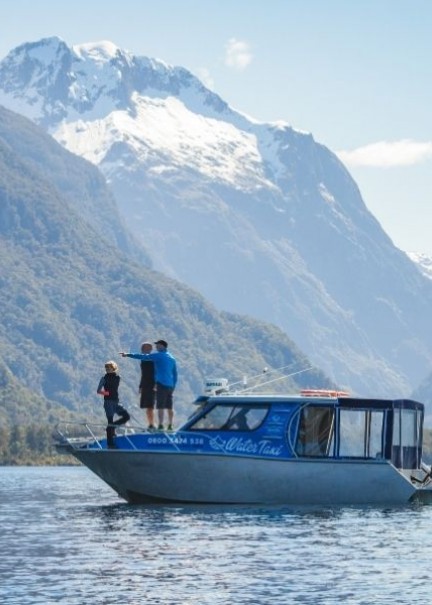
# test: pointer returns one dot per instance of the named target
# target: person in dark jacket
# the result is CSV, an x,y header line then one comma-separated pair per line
x,y
147,385
108,387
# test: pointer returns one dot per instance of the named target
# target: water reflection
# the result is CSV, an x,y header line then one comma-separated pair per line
x,y
67,538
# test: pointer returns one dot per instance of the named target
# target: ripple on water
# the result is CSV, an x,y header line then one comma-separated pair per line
x,y
67,538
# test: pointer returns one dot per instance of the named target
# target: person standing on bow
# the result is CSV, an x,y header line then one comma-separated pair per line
x,y
108,387
166,379
147,385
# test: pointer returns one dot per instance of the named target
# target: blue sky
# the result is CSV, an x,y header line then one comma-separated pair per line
x,y
357,74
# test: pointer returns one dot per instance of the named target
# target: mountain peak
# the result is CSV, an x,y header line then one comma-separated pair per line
x,y
33,58
49,81
43,50
222,199
102,51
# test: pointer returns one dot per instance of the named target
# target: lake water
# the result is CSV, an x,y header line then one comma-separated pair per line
x,y
65,537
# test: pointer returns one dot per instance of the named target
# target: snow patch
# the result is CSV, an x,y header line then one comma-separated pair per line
x,y
99,52
170,134
325,194
423,262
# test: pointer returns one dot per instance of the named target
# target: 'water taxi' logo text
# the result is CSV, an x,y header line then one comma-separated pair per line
x,y
239,445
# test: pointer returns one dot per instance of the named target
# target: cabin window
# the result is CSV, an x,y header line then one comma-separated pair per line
x,y
406,450
361,433
316,431
405,428
231,418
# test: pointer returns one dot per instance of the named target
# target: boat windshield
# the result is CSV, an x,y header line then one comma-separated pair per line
x,y
231,418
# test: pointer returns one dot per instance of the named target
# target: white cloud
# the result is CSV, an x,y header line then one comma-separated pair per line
x,y
237,54
386,154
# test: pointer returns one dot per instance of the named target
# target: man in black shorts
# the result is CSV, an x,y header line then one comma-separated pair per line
x,y
165,367
147,385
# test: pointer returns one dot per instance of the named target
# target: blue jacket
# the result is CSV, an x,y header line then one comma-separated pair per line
x,y
164,364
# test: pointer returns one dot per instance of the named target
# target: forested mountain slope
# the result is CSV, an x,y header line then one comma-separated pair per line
x,y
71,298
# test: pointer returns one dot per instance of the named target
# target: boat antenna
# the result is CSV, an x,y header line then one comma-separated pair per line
x,y
262,384
265,370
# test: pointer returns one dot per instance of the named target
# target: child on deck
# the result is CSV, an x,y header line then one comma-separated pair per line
x,y
108,387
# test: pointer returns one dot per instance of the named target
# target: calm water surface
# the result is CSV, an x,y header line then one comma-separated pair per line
x,y
65,537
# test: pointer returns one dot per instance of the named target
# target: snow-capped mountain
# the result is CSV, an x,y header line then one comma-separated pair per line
x,y
257,216
423,261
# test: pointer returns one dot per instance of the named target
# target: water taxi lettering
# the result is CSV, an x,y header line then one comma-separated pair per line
x,y
238,444
247,446
269,449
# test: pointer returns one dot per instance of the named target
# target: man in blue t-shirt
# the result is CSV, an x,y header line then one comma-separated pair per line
x,y
165,368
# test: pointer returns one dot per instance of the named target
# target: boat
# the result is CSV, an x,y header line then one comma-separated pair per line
x,y
315,447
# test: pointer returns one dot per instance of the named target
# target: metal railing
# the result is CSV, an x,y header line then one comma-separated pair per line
x,y
77,435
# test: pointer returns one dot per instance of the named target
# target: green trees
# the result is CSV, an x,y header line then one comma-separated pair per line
x,y
29,445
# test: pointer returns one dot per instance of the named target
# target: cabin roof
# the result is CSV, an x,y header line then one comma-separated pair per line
x,y
365,402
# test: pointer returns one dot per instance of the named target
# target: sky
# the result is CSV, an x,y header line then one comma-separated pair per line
x,y
357,74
